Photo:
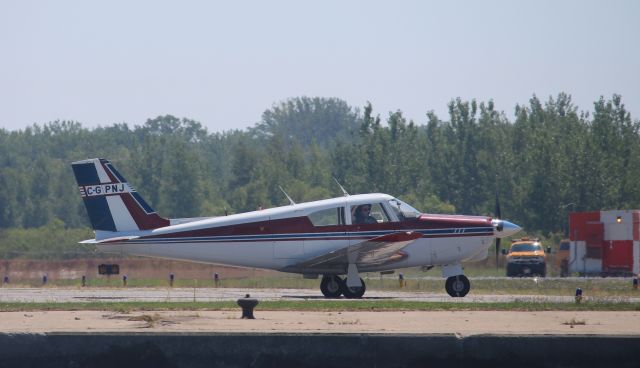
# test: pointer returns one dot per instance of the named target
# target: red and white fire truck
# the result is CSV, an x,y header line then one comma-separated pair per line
x,y
604,243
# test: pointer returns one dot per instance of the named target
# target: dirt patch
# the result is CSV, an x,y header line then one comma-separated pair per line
x,y
463,323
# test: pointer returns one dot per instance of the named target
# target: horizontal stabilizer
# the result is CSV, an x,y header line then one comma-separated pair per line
x,y
116,239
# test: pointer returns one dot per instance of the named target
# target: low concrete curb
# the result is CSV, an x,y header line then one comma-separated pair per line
x,y
315,350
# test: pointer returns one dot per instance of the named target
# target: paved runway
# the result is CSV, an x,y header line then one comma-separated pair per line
x,y
58,294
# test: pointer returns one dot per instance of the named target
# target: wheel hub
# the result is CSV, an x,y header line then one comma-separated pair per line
x,y
458,286
333,285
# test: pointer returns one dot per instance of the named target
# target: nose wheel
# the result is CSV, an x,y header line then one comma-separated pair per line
x,y
457,286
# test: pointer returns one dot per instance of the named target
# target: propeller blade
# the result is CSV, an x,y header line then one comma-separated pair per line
x,y
497,251
498,215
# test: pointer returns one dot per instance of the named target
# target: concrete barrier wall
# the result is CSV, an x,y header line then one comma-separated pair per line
x,y
321,350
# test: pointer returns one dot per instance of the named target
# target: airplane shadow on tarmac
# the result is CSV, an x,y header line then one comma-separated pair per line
x,y
321,297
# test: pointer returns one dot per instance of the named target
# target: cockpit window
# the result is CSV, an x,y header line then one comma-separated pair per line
x,y
368,213
327,217
403,210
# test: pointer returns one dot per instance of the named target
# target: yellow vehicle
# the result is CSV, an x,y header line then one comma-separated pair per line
x,y
562,258
526,257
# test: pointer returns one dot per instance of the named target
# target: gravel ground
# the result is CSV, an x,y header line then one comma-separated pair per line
x,y
441,322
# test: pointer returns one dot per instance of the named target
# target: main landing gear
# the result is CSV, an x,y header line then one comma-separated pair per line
x,y
333,286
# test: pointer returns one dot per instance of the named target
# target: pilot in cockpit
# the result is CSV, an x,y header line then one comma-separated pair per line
x,y
362,215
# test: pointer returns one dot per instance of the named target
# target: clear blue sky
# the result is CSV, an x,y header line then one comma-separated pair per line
x,y
224,63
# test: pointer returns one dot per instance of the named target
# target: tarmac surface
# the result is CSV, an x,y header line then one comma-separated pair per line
x,y
202,338
461,323
57,294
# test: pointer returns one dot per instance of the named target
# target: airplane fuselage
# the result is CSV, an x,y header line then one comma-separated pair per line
x,y
279,238
333,237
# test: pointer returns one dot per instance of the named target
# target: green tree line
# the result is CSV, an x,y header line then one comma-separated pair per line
x,y
550,159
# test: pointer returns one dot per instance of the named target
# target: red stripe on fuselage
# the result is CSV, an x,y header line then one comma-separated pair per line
x,y
457,220
302,225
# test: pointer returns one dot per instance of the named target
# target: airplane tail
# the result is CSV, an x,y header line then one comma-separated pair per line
x,y
113,204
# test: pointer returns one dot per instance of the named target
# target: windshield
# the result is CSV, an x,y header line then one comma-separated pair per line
x,y
526,247
403,210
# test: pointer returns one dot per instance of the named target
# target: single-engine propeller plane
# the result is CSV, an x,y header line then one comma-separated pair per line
x,y
333,237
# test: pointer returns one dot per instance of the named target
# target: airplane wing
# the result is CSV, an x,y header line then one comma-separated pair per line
x,y
372,252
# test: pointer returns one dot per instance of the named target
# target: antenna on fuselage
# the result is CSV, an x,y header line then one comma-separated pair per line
x,y
344,192
291,202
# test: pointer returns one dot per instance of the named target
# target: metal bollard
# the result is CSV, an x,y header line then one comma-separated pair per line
x,y
578,295
124,280
247,304
171,278
635,283
216,279
84,280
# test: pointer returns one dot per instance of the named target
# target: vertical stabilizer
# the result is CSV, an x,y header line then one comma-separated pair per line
x,y
113,204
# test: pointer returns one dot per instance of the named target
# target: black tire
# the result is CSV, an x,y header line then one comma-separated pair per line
x,y
331,286
457,286
355,292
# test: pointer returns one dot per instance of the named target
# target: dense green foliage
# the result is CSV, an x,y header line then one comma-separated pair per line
x,y
550,160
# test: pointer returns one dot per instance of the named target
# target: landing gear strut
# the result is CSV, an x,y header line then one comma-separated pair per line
x,y
457,286
333,286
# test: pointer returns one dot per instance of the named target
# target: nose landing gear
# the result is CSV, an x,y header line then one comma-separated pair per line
x,y
457,286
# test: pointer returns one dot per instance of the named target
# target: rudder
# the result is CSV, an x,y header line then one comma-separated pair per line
x,y
113,204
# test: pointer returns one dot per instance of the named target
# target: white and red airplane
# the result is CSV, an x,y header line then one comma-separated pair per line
x,y
333,237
